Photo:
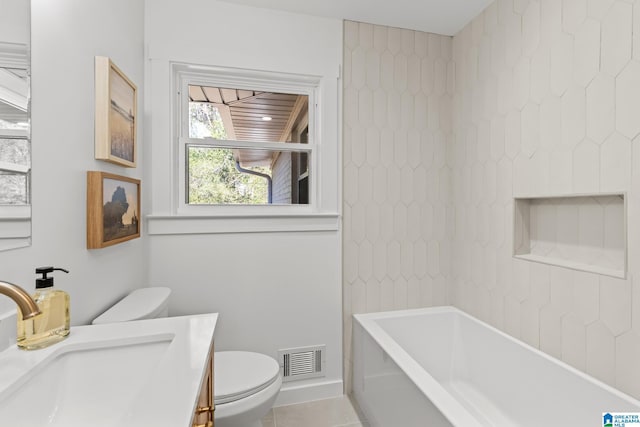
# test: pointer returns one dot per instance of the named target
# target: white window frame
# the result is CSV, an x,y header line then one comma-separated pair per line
x,y
185,75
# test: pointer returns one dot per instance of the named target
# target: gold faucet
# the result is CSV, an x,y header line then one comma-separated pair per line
x,y
27,305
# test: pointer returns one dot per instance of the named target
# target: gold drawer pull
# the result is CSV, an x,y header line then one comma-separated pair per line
x,y
201,409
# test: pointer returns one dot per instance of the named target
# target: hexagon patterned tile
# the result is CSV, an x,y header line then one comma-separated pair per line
x,y
531,97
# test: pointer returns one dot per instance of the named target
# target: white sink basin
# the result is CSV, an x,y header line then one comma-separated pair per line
x,y
77,384
135,373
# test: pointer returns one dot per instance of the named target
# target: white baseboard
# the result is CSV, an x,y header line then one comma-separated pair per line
x,y
292,394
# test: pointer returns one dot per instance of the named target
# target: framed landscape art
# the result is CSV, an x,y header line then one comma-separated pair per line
x,y
113,209
115,114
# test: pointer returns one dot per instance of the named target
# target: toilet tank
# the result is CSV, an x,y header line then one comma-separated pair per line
x,y
144,303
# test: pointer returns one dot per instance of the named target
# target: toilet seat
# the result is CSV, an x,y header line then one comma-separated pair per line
x,y
239,374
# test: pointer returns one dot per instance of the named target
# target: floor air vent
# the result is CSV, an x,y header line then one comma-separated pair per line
x,y
302,362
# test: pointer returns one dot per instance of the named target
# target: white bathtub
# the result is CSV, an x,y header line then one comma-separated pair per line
x,y
441,367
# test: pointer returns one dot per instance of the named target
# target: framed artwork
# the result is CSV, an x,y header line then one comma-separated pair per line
x,y
113,209
115,115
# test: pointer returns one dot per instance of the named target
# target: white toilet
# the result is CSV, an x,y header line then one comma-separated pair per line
x,y
145,303
246,384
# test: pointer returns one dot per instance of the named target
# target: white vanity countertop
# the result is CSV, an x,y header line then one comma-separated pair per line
x,y
167,392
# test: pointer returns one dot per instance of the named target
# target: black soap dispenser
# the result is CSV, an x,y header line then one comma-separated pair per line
x,y
53,324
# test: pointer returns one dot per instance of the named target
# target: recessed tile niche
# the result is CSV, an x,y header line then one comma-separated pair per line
x,y
581,232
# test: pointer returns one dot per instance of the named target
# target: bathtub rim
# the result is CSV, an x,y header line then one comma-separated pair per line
x,y
450,408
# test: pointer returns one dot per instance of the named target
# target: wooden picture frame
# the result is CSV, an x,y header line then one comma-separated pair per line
x,y
113,209
115,114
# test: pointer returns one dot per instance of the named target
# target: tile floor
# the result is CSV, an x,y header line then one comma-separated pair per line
x,y
335,412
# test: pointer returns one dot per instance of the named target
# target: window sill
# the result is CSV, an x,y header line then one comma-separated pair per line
x,y
220,224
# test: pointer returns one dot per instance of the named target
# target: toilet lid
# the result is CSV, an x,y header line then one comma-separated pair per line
x,y
143,303
238,374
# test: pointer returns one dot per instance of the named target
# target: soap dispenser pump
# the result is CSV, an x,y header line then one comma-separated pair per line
x,y
53,324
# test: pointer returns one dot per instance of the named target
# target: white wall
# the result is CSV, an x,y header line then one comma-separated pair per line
x,y
272,290
66,35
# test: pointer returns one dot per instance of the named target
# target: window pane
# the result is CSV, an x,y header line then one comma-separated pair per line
x,y
246,176
15,185
15,151
205,121
246,115
15,189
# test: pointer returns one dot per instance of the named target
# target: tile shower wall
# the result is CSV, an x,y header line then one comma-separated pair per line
x,y
398,87
547,102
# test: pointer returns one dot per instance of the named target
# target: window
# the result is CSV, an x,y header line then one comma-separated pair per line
x,y
15,150
245,139
15,159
